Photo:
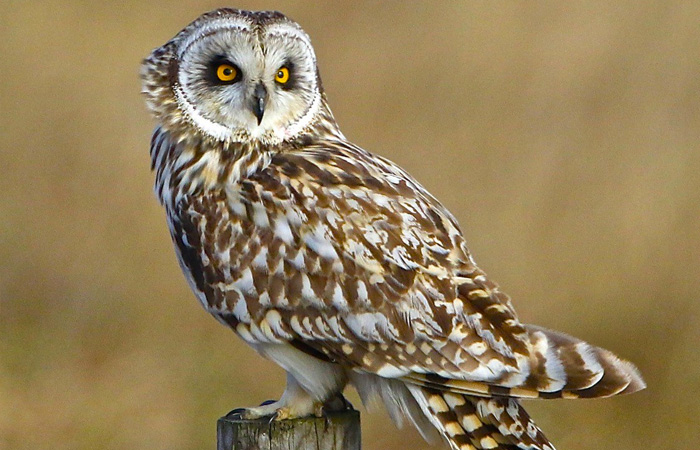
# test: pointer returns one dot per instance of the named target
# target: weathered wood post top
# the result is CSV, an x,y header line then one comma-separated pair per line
x,y
333,431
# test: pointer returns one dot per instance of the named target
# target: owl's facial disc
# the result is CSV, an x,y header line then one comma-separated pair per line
x,y
240,81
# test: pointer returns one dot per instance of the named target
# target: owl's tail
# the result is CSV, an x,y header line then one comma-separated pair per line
x,y
477,415
559,366
478,423
474,415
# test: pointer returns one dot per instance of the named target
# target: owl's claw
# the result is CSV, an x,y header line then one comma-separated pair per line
x,y
235,413
264,410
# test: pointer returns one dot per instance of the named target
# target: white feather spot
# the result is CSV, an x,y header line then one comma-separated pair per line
x,y
260,215
437,404
240,310
338,299
453,429
553,366
307,292
245,283
295,217
362,294
298,260
274,320
391,371
323,328
333,218
243,332
258,334
453,400
319,244
496,365
470,423
372,236
268,332
376,278
364,325
477,348
298,329
282,230
308,326
589,359
279,268
335,328
264,299
488,442
260,260
402,259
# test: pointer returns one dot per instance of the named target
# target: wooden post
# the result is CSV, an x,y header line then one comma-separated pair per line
x,y
334,431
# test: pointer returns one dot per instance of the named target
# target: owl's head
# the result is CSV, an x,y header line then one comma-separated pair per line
x,y
236,76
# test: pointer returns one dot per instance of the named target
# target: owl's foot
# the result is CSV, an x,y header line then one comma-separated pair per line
x,y
279,410
295,402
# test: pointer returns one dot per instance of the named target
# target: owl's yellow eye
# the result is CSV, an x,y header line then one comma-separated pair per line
x,y
226,72
282,75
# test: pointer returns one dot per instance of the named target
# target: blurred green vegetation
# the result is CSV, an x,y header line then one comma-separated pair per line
x,y
565,136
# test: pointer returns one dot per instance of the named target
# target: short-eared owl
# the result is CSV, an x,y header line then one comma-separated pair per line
x,y
333,262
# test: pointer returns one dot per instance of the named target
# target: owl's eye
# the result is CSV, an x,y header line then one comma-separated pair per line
x,y
282,75
226,73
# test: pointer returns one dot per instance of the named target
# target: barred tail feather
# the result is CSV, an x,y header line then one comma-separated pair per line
x,y
560,366
564,366
478,423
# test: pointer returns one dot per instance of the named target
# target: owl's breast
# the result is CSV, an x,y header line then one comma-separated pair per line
x,y
249,260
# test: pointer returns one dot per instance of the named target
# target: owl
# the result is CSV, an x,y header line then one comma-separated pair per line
x,y
334,262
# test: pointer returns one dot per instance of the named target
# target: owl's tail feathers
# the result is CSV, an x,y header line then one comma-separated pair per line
x,y
465,421
564,366
559,366
478,423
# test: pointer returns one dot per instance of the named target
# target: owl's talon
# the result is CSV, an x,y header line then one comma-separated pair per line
x,y
235,413
281,414
267,402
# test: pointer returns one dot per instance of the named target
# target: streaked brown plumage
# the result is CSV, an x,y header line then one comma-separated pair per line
x,y
334,262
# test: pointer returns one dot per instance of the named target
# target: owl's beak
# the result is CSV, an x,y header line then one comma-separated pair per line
x,y
259,98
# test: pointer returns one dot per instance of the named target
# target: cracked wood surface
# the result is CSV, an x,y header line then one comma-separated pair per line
x,y
334,431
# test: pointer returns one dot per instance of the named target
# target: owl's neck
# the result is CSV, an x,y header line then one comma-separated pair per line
x,y
324,126
188,163
196,164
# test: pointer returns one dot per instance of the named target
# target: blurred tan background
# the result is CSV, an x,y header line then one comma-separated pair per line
x,y
565,136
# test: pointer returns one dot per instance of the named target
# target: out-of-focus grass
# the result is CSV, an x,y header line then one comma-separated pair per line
x,y
564,136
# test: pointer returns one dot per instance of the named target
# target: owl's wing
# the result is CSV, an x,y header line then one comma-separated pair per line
x,y
346,257
402,288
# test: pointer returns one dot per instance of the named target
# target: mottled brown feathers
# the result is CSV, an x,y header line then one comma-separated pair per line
x,y
482,423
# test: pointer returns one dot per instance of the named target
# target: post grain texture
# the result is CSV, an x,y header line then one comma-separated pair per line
x,y
333,431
